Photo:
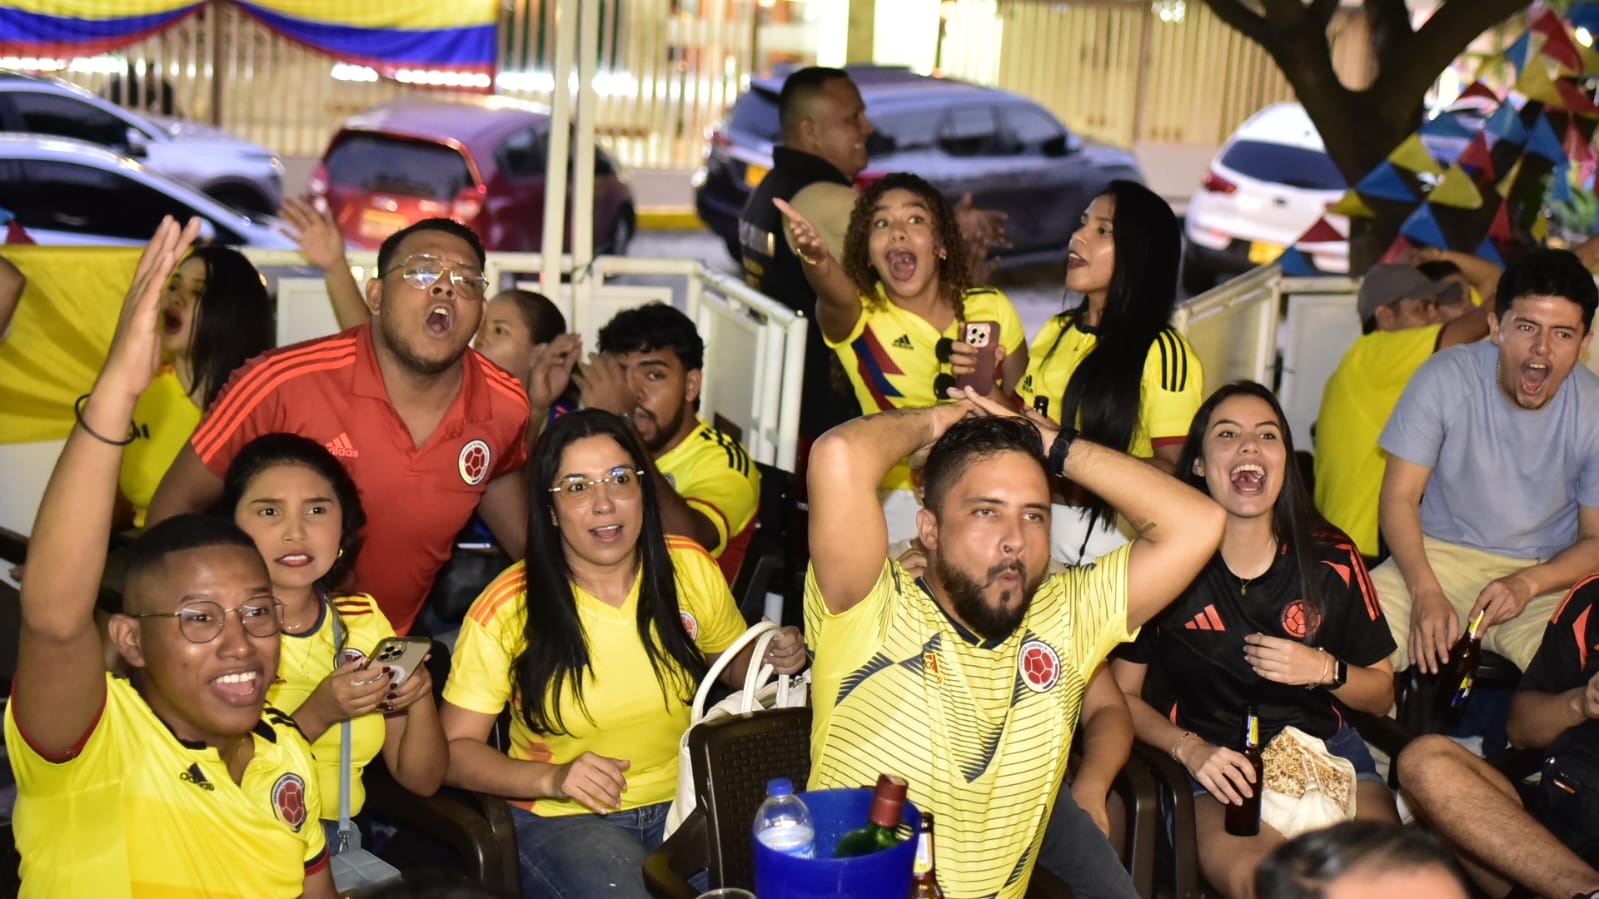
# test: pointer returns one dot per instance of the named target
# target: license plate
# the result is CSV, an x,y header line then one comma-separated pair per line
x,y
1262,252
754,173
377,224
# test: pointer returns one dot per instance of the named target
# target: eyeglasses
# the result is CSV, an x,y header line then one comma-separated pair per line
x,y
423,271
202,621
578,489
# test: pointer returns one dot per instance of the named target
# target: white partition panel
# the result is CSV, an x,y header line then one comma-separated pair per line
x,y
1233,328
1321,326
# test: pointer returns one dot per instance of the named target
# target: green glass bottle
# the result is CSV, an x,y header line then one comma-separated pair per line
x,y
882,822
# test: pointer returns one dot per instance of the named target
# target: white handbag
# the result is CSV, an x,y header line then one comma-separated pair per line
x,y
760,693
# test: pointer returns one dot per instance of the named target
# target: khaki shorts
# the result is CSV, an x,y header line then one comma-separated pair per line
x,y
1463,572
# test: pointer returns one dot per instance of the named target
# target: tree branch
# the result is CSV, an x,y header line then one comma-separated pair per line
x,y
1249,24
1436,44
1321,12
1389,21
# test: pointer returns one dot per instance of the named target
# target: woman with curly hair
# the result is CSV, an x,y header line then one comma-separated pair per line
x,y
894,308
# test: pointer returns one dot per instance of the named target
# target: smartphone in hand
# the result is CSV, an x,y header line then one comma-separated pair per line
x,y
984,336
401,655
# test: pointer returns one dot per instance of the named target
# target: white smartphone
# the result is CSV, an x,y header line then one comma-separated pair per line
x,y
401,655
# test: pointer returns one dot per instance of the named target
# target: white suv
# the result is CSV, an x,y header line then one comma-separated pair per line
x,y
246,176
1267,185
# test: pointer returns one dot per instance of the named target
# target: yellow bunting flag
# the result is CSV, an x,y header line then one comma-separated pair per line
x,y
1412,155
1352,205
1535,82
1456,190
1509,180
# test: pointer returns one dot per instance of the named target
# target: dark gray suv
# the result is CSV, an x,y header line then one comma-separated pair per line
x,y
1008,151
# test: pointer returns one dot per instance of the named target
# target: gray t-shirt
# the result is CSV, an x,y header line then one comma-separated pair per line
x,y
1504,479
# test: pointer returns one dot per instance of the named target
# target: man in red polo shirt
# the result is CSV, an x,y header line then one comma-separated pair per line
x,y
429,429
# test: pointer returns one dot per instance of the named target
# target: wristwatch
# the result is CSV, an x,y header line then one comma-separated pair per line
x,y
1060,448
1340,674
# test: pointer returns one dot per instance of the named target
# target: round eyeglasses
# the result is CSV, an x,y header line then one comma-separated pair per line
x,y
202,621
423,271
621,481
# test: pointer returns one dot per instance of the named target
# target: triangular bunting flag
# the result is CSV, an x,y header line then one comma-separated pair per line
x,y
1516,54
1575,99
1536,83
1352,205
1398,251
1578,148
1540,229
1296,264
1590,60
1413,156
1544,142
1487,250
1478,160
1557,44
1445,125
1499,228
1478,89
1456,190
1321,232
1385,183
1422,227
1509,180
1505,124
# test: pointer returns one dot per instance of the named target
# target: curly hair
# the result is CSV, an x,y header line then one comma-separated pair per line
x,y
953,277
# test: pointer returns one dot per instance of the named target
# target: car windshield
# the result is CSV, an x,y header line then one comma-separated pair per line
x,y
1293,166
375,162
756,114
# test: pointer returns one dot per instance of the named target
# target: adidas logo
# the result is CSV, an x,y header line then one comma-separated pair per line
x,y
197,777
341,447
904,343
1206,620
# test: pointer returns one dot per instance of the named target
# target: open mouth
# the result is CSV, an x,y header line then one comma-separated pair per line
x,y
1534,377
1249,479
642,418
171,322
438,320
240,687
609,533
902,265
1075,260
293,560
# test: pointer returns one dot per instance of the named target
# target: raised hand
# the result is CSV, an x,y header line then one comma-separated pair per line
x,y
603,384
807,240
551,368
315,231
135,354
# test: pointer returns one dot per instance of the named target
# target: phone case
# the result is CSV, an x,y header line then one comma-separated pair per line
x,y
400,654
984,336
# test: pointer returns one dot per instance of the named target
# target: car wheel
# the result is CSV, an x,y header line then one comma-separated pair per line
x,y
621,234
1196,278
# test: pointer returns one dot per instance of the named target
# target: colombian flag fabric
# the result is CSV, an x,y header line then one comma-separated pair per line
x,y
84,27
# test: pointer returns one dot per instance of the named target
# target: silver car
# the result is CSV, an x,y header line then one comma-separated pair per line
x,y
70,192
236,172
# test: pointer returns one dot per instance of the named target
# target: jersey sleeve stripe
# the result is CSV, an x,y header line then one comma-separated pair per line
x,y
1368,590
73,750
674,541
484,610
253,386
1560,609
318,863
1579,633
502,381
710,508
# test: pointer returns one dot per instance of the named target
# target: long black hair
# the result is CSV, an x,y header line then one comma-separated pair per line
x,y
1295,522
271,450
232,320
557,649
1105,392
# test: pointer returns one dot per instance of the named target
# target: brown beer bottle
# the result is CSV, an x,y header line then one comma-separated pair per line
x,y
1461,671
924,879
1244,820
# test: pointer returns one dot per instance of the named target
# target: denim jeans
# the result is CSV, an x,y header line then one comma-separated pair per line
x,y
579,856
1076,850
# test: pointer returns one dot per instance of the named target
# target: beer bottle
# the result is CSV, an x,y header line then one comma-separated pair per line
x,y
1461,671
1244,820
924,877
882,822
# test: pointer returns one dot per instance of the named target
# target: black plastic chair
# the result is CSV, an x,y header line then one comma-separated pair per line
x,y
775,559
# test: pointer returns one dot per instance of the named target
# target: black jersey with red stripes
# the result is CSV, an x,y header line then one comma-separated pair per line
x,y
1198,675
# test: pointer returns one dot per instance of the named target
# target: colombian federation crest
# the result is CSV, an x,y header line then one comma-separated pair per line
x,y
690,625
474,462
288,800
1038,665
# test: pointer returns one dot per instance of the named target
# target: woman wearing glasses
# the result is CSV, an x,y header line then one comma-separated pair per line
x,y
598,647
895,307
304,513
1112,364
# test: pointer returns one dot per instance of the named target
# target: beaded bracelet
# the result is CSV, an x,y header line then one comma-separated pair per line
x,y
1179,745
77,410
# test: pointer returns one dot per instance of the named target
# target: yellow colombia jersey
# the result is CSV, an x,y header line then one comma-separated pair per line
x,y
715,475
1355,406
980,731
893,360
138,813
627,716
1173,387
306,660
163,419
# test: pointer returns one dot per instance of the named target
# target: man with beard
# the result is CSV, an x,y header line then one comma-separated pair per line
x,y
969,680
650,371
429,429
1490,502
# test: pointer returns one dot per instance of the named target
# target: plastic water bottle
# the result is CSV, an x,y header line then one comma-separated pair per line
x,y
783,822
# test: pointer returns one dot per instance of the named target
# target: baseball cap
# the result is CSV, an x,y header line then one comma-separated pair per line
x,y
1391,282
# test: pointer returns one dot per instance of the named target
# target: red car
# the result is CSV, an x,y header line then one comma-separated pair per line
x,y
479,160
